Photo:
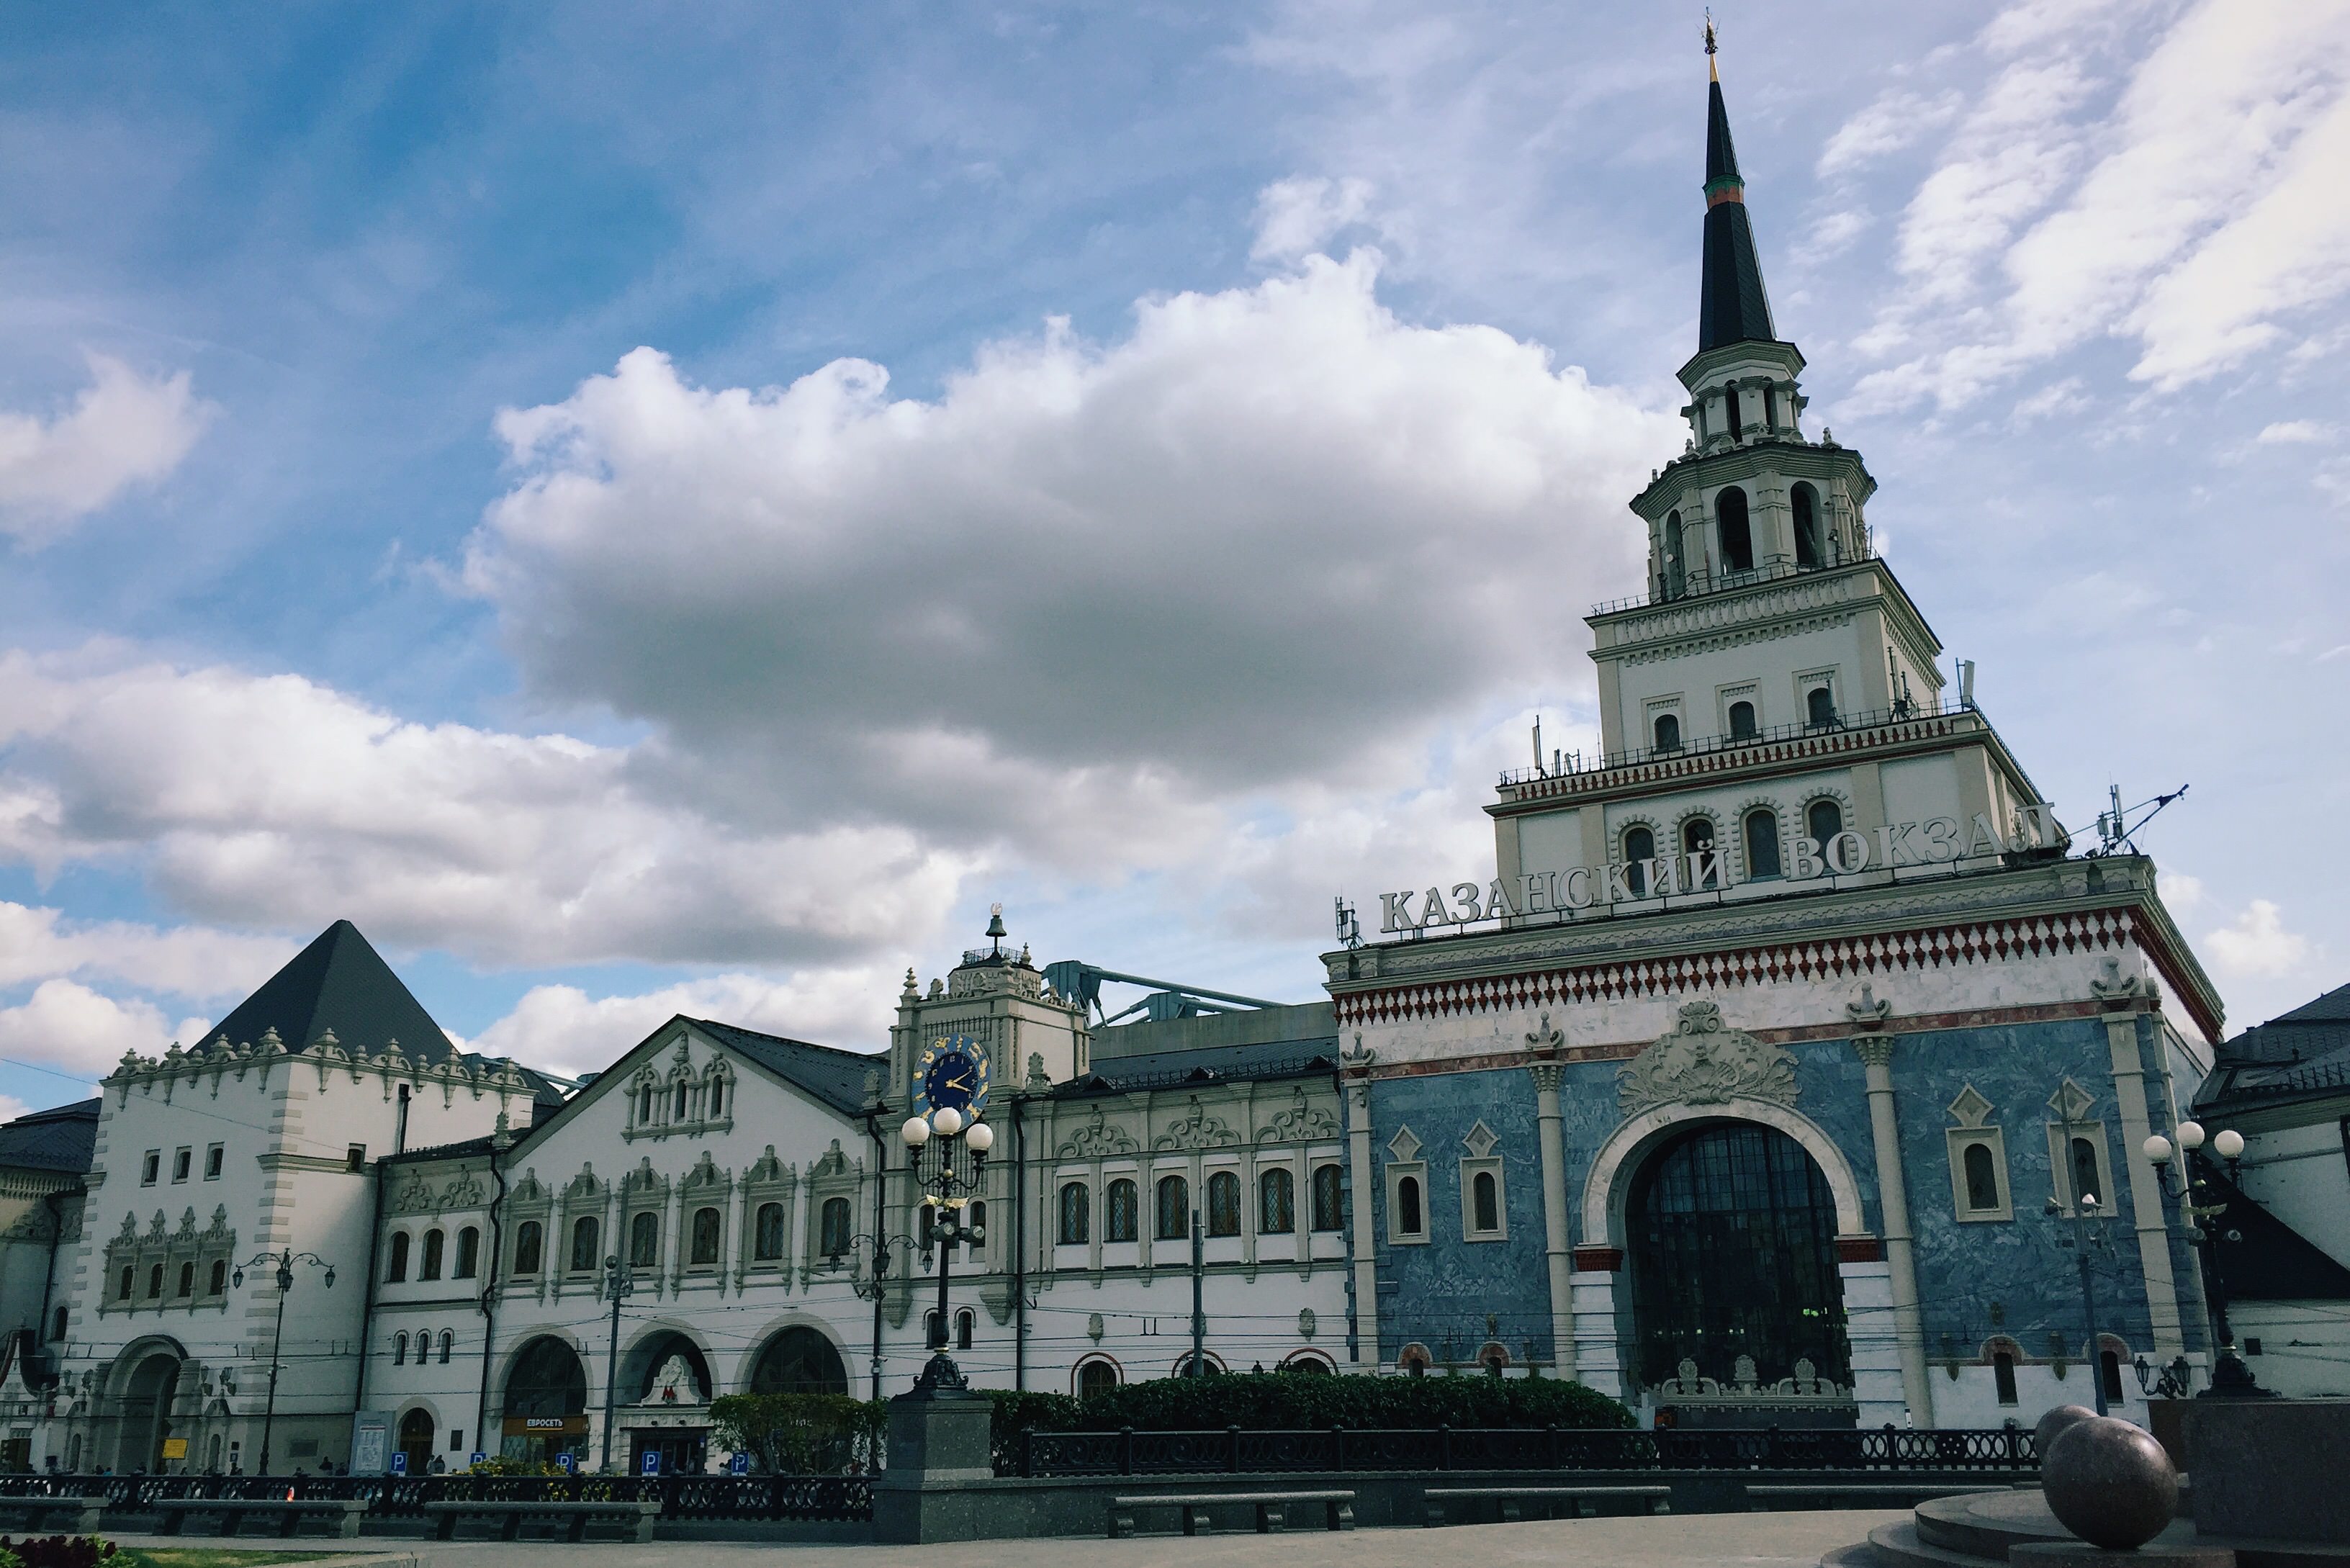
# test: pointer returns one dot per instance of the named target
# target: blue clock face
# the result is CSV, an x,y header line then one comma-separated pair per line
x,y
952,1073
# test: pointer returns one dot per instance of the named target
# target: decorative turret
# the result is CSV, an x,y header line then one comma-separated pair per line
x,y
1732,306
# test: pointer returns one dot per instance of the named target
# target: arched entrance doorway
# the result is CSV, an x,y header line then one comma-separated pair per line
x,y
665,1382
416,1440
799,1360
545,1402
1730,1237
147,1394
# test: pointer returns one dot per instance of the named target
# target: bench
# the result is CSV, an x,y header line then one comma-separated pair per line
x,y
341,1513
1450,1503
1861,1494
635,1517
1272,1509
84,1511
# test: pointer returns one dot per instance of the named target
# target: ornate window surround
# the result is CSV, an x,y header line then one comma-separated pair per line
x,y
1403,1161
1481,1160
1971,1111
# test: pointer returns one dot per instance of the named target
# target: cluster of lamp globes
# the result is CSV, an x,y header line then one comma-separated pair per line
x,y
2228,1143
946,1122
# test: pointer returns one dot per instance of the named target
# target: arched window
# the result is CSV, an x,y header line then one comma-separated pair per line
x,y
397,1269
529,1241
705,1238
927,1229
1983,1180
1741,721
1410,1221
2003,1375
644,1104
966,1325
934,1330
1076,1213
974,1223
1730,408
1819,707
123,1291
469,1253
187,1280
644,1241
1485,1201
1223,1204
435,1245
677,1103
400,1350
717,1098
1697,835
1676,574
1807,526
1823,820
2084,1174
583,1244
1639,848
1174,1209
832,1228
1276,1202
1493,1358
1762,845
1096,1377
1125,1219
1413,1360
1737,537
800,1360
57,1325
155,1283
2109,1366
1770,405
1329,1199
767,1235
1668,730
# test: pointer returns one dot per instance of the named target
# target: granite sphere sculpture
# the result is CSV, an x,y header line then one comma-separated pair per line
x,y
2043,1435
2110,1483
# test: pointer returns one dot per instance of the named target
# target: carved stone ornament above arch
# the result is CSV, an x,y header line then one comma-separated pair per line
x,y
1196,1128
1096,1139
1704,1062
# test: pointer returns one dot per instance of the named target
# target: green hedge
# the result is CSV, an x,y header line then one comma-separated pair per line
x,y
1294,1401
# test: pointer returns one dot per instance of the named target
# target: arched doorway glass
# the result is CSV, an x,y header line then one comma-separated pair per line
x,y
665,1388
799,1360
545,1402
416,1440
147,1414
1730,1238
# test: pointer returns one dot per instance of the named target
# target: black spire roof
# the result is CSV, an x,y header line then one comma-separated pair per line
x,y
338,982
1731,305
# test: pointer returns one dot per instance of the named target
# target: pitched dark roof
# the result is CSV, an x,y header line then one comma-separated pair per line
x,y
2304,1053
341,983
2273,1262
1211,1065
57,1139
1731,304
834,1077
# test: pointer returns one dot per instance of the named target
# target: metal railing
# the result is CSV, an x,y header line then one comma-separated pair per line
x,y
1844,724
1773,569
770,1497
1236,1451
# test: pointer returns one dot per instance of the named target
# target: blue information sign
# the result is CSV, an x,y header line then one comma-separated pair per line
x,y
739,1465
479,1458
399,1464
652,1463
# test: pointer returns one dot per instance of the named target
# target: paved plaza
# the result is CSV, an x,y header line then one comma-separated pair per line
x,y
1685,1540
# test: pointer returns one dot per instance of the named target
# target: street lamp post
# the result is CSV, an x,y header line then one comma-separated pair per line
x,y
284,1260
2086,1235
2230,1378
875,1288
617,1285
930,1144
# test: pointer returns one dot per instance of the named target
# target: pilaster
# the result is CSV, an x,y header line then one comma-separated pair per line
x,y
1555,1210
1362,1229
2126,998
1875,1044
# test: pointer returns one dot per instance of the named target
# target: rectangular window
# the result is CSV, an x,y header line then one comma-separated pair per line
x,y
150,1168
212,1157
1979,1182
2081,1167
1483,1217
354,1158
1407,1203
184,1159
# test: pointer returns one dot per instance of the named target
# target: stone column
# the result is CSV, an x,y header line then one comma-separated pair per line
x,y
1362,1243
1598,1355
1553,1190
1875,1047
2123,997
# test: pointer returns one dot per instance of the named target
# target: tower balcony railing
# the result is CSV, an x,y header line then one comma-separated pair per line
x,y
1577,773
1770,569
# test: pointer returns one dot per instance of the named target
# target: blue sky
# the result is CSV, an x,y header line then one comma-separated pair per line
x,y
679,508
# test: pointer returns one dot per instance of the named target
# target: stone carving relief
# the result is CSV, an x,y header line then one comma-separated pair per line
x,y
1704,1062
1302,1122
1096,1139
1196,1128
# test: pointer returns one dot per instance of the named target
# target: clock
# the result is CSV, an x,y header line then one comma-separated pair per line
x,y
951,1071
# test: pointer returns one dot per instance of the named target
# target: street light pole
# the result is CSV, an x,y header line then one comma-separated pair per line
x,y
1198,1304
2086,1235
930,1142
616,1284
2230,1378
284,1260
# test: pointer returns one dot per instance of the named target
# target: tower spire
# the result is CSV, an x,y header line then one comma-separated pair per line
x,y
1731,305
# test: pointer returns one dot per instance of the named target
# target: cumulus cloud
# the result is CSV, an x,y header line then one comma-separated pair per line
x,y
123,430
1302,213
1896,118
1266,538
561,1028
507,847
68,1023
192,962
2257,944
2291,432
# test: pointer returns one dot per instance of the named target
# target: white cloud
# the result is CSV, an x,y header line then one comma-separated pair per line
x,y
1302,213
2179,891
11,1107
124,430
1894,119
2294,432
2257,944
563,1029
191,962
66,1023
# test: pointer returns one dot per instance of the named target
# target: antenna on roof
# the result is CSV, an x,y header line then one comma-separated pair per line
x,y
1538,743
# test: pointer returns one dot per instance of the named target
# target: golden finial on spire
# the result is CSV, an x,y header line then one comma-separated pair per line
x,y
1713,72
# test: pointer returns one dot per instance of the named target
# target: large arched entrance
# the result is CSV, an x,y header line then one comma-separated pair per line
x,y
146,1412
666,1385
799,1360
416,1440
545,1402
1730,1237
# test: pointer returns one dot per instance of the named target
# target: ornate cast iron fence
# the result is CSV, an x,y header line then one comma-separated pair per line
x,y
403,1496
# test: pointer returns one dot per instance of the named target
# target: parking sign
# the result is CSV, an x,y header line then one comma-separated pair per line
x,y
652,1461
400,1464
739,1465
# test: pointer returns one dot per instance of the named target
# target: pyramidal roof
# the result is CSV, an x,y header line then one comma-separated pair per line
x,y
1731,305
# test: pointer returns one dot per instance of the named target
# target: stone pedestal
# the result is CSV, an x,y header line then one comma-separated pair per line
x,y
939,1442
2270,1468
2080,1554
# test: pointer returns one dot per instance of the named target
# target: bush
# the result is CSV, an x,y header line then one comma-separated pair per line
x,y
802,1434
55,1552
1295,1401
